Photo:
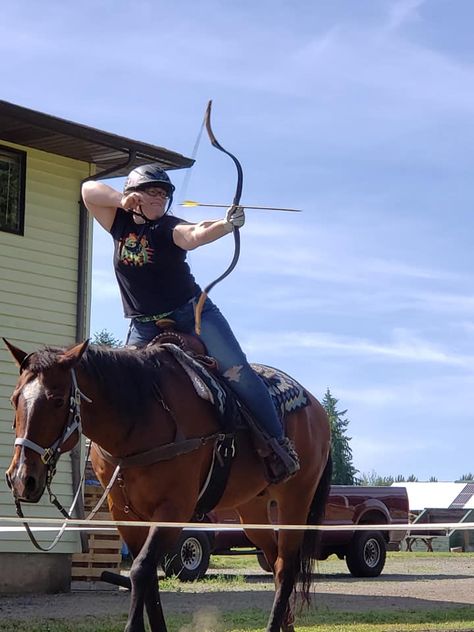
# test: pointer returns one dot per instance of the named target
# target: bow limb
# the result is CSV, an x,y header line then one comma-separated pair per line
x,y
236,201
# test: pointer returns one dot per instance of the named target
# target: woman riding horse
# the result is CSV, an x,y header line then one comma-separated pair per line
x,y
155,282
140,410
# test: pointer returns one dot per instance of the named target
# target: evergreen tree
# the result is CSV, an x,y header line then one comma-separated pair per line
x,y
106,339
372,479
466,478
343,470
433,479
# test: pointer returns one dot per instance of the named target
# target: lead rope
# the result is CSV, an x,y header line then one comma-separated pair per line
x,y
54,501
105,494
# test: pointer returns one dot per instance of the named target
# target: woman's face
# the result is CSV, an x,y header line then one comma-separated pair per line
x,y
154,201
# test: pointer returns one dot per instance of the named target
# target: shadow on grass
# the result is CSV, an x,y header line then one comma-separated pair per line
x,y
213,619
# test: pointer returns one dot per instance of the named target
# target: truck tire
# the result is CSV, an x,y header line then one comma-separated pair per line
x,y
366,554
262,560
190,560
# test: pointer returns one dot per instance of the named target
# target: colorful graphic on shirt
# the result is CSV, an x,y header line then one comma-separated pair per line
x,y
135,251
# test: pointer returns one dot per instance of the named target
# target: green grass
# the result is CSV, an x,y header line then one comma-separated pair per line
x,y
255,620
439,619
234,562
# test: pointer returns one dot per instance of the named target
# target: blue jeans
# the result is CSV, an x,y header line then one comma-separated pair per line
x,y
221,344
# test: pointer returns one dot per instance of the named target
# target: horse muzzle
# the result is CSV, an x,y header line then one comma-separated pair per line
x,y
26,484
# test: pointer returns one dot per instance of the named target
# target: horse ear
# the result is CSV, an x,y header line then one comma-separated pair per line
x,y
71,356
18,354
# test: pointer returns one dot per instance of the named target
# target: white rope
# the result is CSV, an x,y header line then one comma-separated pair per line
x,y
217,526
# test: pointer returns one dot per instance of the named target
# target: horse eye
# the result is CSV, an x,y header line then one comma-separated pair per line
x,y
58,402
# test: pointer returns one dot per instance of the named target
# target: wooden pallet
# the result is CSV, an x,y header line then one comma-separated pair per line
x,y
105,546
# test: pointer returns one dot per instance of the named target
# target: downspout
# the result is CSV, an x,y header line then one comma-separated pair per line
x,y
85,247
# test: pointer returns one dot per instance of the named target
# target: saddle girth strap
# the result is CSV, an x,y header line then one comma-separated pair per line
x,y
214,487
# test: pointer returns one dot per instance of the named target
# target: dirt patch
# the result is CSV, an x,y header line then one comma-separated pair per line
x,y
406,584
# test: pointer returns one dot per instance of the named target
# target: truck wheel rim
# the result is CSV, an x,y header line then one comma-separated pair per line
x,y
191,553
372,553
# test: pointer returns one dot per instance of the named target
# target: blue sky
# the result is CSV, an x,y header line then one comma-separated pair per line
x,y
359,113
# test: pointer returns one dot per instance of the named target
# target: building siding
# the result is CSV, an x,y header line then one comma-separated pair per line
x,y
38,306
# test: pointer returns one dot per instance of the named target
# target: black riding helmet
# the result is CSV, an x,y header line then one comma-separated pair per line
x,y
147,176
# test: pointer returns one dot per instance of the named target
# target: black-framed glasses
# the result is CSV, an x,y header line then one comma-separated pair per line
x,y
155,192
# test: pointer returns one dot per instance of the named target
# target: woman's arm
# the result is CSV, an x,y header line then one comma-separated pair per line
x,y
102,202
191,236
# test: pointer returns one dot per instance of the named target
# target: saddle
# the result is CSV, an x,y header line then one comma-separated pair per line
x,y
187,342
287,395
203,371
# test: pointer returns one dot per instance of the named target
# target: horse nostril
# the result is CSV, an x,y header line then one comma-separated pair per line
x,y
30,484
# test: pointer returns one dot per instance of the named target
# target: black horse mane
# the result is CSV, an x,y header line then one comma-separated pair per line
x,y
129,378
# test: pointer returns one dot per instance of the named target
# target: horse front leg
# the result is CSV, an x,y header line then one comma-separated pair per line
x,y
153,607
142,575
144,580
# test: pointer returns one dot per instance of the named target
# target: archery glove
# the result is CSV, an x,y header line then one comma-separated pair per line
x,y
235,216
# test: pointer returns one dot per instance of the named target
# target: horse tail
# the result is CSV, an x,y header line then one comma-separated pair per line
x,y
311,545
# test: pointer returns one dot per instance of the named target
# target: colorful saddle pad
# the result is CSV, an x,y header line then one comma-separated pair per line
x,y
286,393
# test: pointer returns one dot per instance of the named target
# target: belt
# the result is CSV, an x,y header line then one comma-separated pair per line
x,y
149,319
155,317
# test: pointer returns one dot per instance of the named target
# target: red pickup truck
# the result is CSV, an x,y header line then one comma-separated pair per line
x,y
364,551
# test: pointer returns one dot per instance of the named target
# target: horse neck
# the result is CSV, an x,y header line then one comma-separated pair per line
x,y
100,414
174,410
104,423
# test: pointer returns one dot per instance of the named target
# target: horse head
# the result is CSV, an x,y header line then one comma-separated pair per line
x,y
45,402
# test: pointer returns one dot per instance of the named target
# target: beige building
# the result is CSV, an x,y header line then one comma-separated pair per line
x,y
45,286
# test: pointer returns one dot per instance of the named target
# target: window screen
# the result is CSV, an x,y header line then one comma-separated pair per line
x,y
12,190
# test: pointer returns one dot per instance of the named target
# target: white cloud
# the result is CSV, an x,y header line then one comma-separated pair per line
x,y
403,11
373,397
404,347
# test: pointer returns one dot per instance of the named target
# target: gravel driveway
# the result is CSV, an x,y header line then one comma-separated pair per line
x,y
406,584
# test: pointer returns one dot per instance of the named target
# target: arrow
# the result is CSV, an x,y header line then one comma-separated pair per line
x,y
189,203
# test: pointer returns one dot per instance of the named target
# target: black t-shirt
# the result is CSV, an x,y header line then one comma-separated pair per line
x,y
151,270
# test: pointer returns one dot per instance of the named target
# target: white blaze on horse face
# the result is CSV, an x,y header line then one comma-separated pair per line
x,y
31,392
233,373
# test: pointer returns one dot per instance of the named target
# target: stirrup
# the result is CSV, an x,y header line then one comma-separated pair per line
x,y
283,462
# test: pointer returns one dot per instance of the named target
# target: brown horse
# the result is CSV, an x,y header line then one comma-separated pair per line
x,y
135,403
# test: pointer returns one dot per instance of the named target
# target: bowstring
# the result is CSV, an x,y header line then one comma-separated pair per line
x,y
185,185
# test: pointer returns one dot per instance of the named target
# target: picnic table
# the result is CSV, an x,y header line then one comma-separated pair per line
x,y
427,540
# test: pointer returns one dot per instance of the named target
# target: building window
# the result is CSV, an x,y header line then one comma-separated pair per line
x,y
12,190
